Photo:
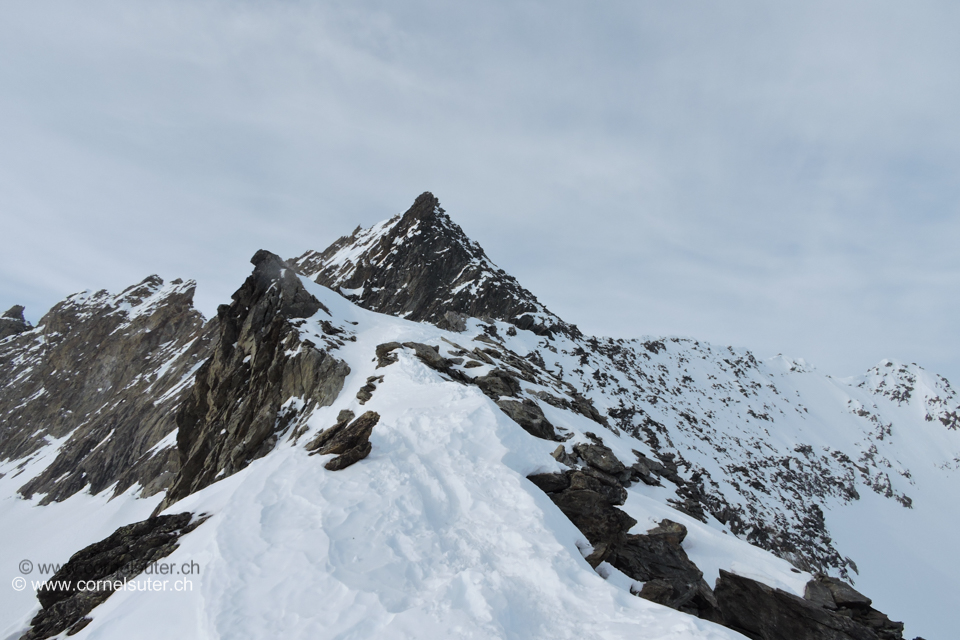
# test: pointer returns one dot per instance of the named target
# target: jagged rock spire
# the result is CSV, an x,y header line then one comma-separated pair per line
x,y
232,414
421,266
12,322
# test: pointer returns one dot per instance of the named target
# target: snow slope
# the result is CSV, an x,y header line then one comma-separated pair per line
x,y
857,477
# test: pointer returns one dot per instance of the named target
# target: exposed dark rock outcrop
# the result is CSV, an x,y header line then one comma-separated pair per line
x,y
12,322
233,413
832,610
366,391
529,415
670,578
350,441
107,372
600,457
102,567
385,353
498,383
588,496
421,266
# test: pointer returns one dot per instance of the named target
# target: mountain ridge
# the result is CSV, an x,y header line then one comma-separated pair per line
x,y
766,451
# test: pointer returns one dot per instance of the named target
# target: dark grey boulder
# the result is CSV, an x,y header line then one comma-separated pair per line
x,y
560,455
761,612
550,482
670,578
349,457
366,392
669,530
430,356
646,470
385,355
343,419
609,489
498,383
597,519
529,415
599,457
351,442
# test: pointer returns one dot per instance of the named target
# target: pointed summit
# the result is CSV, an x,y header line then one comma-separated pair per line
x,y
12,322
421,266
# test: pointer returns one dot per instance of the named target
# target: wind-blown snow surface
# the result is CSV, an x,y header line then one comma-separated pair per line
x,y
439,534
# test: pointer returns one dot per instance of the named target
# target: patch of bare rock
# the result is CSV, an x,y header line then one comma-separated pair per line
x,y
588,494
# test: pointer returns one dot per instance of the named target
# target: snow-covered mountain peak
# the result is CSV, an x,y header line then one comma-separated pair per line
x,y
421,266
912,385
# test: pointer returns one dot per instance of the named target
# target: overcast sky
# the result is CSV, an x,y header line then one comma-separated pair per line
x,y
778,176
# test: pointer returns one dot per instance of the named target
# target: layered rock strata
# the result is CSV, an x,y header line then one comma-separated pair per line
x,y
101,377
238,406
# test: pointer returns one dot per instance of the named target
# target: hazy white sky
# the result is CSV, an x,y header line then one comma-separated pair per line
x,y
780,177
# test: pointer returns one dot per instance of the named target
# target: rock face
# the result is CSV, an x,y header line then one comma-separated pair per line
x,y
529,415
12,322
107,373
118,558
670,578
831,610
421,266
234,412
589,495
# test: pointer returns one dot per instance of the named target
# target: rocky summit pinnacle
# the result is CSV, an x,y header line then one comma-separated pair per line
x,y
421,266
12,322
